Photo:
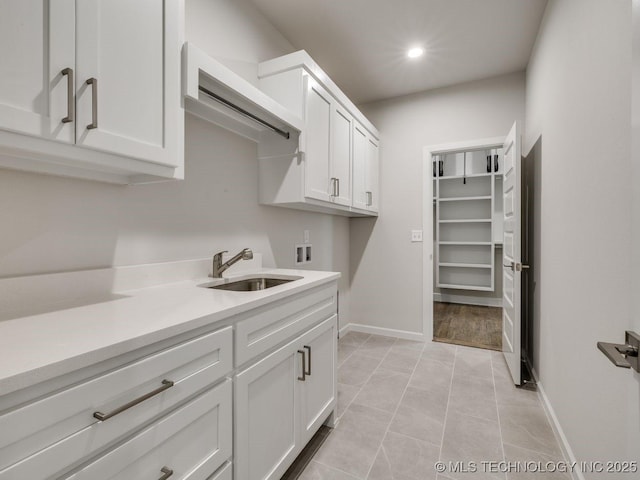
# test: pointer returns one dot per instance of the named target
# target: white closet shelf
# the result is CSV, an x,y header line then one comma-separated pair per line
x,y
488,244
465,199
465,287
465,265
468,220
460,177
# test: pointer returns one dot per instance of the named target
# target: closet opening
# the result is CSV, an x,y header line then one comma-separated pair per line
x,y
467,231
478,266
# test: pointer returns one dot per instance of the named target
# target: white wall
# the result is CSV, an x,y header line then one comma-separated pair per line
x,y
386,268
578,103
55,224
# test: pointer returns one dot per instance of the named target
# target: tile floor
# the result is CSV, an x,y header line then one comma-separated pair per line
x,y
405,405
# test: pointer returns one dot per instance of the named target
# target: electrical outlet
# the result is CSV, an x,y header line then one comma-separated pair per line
x,y
305,236
416,235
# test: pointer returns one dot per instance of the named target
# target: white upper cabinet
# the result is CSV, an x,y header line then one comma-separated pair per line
x,y
341,152
318,182
365,170
37,45
329,169
99,77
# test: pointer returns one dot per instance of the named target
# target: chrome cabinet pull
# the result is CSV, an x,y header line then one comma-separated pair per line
x,y
338,189
304,361
308,349
94,103
167,473
334,183
69,73
106,416
369,199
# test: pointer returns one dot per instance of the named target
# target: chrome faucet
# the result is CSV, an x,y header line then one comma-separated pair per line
x,y
219,267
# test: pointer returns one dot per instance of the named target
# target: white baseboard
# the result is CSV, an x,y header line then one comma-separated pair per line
x,y
467,300
567,451
386,332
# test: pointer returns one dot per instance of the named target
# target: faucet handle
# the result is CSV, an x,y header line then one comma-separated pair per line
x,y
219,254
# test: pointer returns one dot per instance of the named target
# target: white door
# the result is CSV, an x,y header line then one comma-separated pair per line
x,y
341,145
511,256
318,390
317,137
266,423
35,94
121,51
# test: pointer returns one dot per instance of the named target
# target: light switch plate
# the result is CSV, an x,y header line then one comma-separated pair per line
x,y
416,235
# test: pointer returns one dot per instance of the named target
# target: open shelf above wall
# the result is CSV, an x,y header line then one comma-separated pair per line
x,y
215,93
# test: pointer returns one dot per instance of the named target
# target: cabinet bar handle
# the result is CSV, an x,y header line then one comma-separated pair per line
x,y
106,416
304,361
308,348
369,199
167,473
69,73
94,103
338,184
334,186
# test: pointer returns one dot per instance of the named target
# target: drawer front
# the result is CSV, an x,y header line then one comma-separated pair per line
x,y
191,366
192,441
225,473
271,326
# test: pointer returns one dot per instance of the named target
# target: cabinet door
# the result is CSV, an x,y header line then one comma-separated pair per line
x,y
37,42
267,432
341,148
372,182
317,137
318,391
129,49
360,155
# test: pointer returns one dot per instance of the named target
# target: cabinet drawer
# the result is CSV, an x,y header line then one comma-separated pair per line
x,y
267,328
192,441
69,414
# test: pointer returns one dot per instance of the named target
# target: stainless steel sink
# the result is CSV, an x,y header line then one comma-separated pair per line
x,y
251,284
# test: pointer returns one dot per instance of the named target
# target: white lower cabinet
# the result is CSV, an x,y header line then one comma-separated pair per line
x,y
188,444
168,411
282,400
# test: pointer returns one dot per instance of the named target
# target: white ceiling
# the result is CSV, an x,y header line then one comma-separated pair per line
x,y
362,44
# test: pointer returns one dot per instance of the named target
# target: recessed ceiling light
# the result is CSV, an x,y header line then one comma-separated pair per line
x,y
415,52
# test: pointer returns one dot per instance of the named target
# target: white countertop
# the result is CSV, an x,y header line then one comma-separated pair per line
x,y
42,346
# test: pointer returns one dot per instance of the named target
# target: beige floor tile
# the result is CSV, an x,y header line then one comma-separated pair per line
x,y
401,360
344,352
404,458
442,352
409,344
353,338
346,394
317,471
523,458
376,346
431,373
353,445
357,369
421,415
474,362
527,427
384,390
470,439
474,396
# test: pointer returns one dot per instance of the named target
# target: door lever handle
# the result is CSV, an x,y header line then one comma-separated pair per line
x,y
623,355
